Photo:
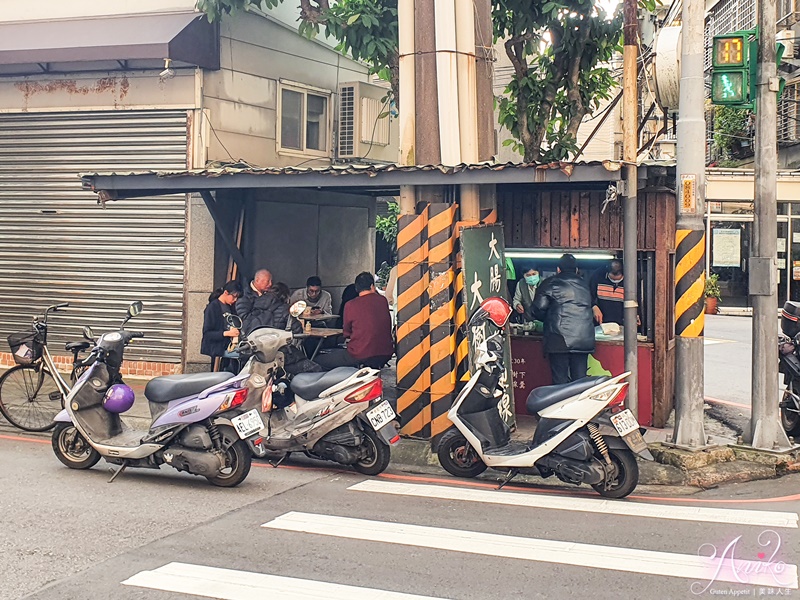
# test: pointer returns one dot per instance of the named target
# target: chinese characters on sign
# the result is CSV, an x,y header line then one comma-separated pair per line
x,y
483,261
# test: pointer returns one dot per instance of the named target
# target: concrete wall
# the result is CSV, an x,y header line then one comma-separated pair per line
x,y
299,233
97,91
242,97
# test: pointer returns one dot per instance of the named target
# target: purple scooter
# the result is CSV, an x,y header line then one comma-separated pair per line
x,y
197,423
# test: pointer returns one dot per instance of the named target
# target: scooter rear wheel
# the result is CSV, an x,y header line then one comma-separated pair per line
x,y
239,461
627,475
72,449
457,457
378,454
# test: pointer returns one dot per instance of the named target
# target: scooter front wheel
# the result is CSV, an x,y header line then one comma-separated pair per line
x,y
457,457
627,475
72,449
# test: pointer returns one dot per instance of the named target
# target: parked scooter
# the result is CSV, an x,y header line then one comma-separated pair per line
x,y
338,415
584,434
198,424
789,366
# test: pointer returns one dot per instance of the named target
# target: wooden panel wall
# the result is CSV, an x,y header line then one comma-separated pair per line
x,y
570,219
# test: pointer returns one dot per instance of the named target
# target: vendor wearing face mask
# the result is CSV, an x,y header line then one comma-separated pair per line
x,y
608,294
526,291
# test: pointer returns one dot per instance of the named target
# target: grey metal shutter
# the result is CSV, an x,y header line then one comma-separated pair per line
x,y
58,245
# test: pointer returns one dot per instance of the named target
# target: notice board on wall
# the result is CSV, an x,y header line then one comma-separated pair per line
x,y
726,247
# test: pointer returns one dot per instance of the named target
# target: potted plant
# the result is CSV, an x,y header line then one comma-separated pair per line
x,y
713,294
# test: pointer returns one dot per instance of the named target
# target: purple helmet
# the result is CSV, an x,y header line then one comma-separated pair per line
x,y
119,398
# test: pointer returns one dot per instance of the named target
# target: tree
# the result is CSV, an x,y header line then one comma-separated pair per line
x,y
557,49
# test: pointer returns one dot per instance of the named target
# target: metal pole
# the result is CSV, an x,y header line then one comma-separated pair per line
x,y
690,235
766,431
630,242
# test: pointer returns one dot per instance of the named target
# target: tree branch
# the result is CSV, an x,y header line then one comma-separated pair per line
x,y
312,13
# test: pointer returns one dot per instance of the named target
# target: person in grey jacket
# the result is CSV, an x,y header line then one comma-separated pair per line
x,y
564,303
259,306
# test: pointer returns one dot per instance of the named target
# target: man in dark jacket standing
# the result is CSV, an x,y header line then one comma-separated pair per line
x,y
258,304
564,303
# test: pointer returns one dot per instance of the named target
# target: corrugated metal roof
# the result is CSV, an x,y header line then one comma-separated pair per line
x,y
369,170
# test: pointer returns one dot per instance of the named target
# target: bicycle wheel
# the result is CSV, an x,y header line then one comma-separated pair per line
x,y
30,398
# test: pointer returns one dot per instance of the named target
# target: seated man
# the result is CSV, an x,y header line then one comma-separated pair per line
x,y
314,296
259,306
368,328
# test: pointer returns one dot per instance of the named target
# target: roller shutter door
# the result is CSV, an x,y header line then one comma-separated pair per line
x,y
58,245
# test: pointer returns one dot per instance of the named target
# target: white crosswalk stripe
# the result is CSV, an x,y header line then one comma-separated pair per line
x,y
550,551
610,507
228,584
697,567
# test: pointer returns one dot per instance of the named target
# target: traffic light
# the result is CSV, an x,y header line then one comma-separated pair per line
x,y
733,75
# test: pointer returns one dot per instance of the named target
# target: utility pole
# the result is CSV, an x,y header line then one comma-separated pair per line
x,y
766,431
630,242
690,235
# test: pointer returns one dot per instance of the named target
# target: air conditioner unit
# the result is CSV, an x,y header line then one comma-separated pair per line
x,y
366,130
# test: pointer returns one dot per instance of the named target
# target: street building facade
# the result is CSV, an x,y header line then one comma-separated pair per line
x,y
87,90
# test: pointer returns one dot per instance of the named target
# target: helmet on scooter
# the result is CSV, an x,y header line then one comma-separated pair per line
x,y
496,309
119,398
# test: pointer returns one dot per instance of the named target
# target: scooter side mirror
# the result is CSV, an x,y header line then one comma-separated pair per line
x,y
297,308
135,309
88,333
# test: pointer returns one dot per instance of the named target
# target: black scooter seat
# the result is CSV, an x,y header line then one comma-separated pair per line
x,y
310,385
70,346
545,396
171,387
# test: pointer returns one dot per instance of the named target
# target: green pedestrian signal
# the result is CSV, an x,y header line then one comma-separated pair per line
x,y
733,75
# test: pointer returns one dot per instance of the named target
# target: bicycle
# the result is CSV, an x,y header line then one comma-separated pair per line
x,y
32,393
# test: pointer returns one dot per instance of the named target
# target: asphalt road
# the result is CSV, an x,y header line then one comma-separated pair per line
x,y
728,369
297,532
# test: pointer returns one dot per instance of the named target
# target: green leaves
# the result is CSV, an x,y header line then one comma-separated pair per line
x,y
560,50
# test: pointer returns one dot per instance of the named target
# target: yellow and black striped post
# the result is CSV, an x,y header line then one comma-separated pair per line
x,y
441,294
413,313
690,278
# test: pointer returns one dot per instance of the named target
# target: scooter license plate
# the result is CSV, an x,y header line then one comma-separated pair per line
x,y
624,422
248,424
635,441
381,415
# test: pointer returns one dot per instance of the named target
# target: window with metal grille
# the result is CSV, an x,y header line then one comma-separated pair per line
x,y
347,121
789,115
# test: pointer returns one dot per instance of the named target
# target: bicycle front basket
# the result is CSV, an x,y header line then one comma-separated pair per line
x,y
26,348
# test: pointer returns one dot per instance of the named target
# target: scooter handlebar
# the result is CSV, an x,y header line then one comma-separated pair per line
x,y
136,334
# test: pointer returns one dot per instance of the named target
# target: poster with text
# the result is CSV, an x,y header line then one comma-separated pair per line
x,y
726,247
483,262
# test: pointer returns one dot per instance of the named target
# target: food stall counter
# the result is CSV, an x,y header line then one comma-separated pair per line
x,y
531,369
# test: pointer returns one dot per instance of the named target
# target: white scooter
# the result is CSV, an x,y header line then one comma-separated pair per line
x,y
338,415
584,434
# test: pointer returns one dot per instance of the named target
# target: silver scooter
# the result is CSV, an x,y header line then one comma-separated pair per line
x,y
585,435
339,415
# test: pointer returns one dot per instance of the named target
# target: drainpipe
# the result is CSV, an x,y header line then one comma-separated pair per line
x,y
467,103
447,81
407,92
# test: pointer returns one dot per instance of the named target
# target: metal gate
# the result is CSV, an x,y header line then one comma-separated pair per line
x,y
58,245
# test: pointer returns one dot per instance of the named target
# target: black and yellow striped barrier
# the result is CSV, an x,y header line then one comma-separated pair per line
x,y
690,277
413,312
441,293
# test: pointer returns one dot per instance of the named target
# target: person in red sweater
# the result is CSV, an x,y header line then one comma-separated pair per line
x,y
367,327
